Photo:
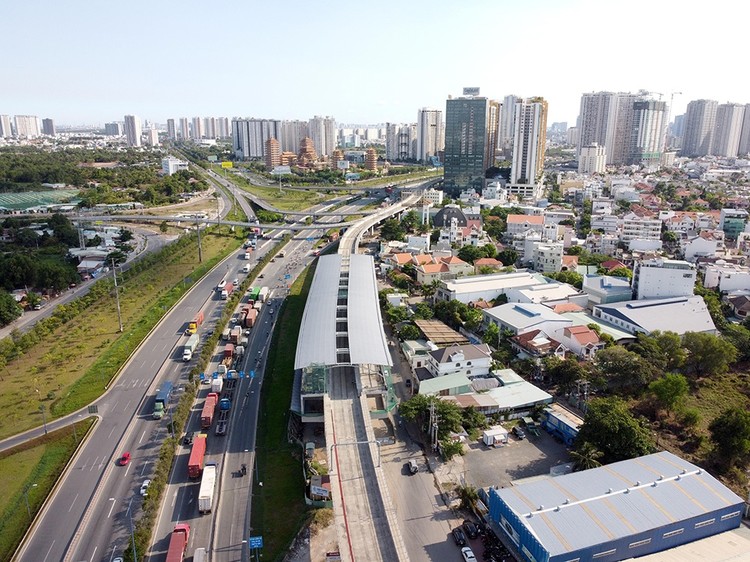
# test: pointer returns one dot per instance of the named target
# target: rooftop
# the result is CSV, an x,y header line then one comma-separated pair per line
x,y
679,315
440,333
495,281
523,315
469,351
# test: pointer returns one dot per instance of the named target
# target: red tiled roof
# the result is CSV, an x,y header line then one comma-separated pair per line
x,y
521,219
582,334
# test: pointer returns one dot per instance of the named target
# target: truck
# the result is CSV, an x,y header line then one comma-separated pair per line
x,y
228,354
227,395
189,347
221,285
236,334
257,306
178,541
206,491
239,351
247,255
225,334
197,454
217,384
207,415
263,294
252,316
222,423
162,400
253,293
194,324
228,288
243,342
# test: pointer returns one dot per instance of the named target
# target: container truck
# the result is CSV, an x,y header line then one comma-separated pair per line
x,y
228,354
207,415
239,351
228,288
206,491
194,324
253,293
197,454
225,334
236,334
189,347
257,306
162,400
217,384
243,315
178,541
222,423
263,294
252,316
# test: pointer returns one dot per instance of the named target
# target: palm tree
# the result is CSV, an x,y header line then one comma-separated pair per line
x,y
586,456
429,289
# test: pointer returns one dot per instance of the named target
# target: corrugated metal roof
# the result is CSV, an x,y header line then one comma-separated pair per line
x,y
587,508
367,343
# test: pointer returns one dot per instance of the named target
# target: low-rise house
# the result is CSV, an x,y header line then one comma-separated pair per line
x,y
726,276
581,340
740,305
679,315
483,263
471,360
707,244
562,422
523,317
518,224
549,294
442,268
486,287
417,352
536,344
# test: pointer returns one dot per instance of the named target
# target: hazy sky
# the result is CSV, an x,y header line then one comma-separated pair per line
x,y
361,62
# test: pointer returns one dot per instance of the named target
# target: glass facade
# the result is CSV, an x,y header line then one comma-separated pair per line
x,y
465,142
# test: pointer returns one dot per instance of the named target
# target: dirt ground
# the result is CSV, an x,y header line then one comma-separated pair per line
x,y
313,549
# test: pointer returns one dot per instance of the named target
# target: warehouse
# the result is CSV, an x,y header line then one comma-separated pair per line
x,y
614,512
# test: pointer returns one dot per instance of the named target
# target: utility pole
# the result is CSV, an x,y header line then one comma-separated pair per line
x,y
132,534
117,294
200,249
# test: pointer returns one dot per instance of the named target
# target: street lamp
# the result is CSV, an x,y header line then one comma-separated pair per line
x,y
26,497
44,418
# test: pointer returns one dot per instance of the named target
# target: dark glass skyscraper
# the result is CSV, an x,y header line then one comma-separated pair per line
x,y
466,138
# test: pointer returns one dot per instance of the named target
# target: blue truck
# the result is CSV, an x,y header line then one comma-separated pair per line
x,y
162,399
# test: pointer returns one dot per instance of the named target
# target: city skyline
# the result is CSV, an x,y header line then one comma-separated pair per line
x,y
85,66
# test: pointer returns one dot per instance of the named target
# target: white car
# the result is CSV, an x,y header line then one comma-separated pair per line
x,y
235,282
468,554
144,487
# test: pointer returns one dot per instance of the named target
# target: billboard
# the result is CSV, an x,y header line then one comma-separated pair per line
x,y
226,164
471,91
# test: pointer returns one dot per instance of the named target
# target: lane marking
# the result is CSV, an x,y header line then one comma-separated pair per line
x,y
72,503
113,500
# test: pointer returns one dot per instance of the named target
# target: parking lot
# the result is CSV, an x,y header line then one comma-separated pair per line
x,y
499,466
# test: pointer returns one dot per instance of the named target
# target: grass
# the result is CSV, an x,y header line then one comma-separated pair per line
x,y
34,466
279,463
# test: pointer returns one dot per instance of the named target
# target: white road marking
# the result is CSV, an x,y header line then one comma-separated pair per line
x,y
110,433
92,555
93,464
50,550
142,436
144,468
113,500
72,503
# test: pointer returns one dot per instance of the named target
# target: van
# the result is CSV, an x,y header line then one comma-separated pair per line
x,y
220,286
412,466
246,268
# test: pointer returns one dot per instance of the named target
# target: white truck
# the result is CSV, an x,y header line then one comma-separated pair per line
x,y
206,491
263,294
216,385
189,347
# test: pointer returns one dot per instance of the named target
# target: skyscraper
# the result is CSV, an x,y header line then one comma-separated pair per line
x,y
592,159
507,126
593,119
466,129
430,134
5,128
222,128
113,129
493,129
184,128
209,127
27,126
649,118
249,136
198,132
152,136
729,118
700,122
400,141
171,130
323,134
529,142
133,130
744,148
292,132
48,127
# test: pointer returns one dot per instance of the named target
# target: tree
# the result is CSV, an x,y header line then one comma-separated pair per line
x,y
392,230
409,332
708,354
125,235
563,372
662,350
410,221
470,253
730,434
670,391
429,289
491,335
163,227
570,277
118,257
586,457
625,272
424,311
396,314
508,256
739,336
9,309
611,428
622,369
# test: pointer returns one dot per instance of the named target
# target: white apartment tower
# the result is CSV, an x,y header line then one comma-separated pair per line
x,y
133,130
209,127
729,119
27,126
744,148
198,131
400,141
593,159
222,128
292,132
152,136
507,125
249,136
648,131
184,128
430,133
700,122
323,135
594,118
5,128
529,142
171,130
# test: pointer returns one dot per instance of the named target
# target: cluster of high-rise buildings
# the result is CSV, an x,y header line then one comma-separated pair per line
x,y
250,136
709,128
26,127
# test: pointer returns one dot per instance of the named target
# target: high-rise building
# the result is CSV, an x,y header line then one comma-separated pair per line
x,y
529,143
222,128
594,118
323,134
113,129
184,129
249,136
152,136
507,126
466,132
133,130
430,134
273,153
48,127
493,128
400,141
198,132
27,126
171,130
700,123
729,118
5,129
292,132
209,127
744,148
648,131
592,159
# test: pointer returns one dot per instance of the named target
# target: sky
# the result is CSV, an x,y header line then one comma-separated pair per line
x,y
85,62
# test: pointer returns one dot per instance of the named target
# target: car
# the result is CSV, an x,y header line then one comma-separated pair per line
x,y
144,487
459,537
518,432
412,466
408,383
235,282
471,529
248,332
118,559
188,440
37,307
270,311
124,459
261,276
468,554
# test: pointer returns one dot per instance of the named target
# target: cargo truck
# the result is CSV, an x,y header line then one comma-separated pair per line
x,y
206,491
189,347
217,384
162,400
228,354
225,334
236,334
253,293
239,351
194,324
200,555
252,316
197,454
228,288
207,415
178,541
263,294
222,423
257,306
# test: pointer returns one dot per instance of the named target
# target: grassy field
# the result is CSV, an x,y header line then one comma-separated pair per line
x,y
29,472
279,463
73,355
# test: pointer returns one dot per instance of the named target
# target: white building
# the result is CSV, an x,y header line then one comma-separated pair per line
x,y
636,227
323,134
133,130
548,294
660,278
529,145
249,136
470,360
547,257
5,129
496,192
592,159
170,165
609,224
679,315
520,318
434,196
729,117
518,224
27,126
474,288
400,141
152,137
707,244
430,133
726,277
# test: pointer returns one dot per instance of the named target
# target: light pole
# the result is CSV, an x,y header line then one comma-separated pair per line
x,y
44,418
132,534
26,497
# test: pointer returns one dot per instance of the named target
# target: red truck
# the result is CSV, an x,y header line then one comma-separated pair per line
x,y
228,354
235,335
178,542
252,316
194,324
228,288
207,415
195,463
